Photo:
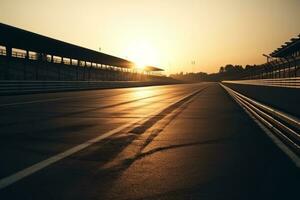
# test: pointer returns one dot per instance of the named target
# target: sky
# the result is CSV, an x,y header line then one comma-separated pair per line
x,y
176,35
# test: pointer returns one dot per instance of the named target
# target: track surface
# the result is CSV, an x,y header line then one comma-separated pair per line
x,y
203,147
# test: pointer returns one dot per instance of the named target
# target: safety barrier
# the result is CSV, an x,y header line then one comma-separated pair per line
x,y
279,82
282,125
24,87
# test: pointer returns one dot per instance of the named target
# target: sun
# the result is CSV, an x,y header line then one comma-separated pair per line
x,y
142,53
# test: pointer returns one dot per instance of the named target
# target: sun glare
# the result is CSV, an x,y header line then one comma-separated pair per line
x,y
142,53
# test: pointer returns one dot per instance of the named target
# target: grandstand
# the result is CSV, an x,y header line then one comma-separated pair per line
x,y
26,55
284,62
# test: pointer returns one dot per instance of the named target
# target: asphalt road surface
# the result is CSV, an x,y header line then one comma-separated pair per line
x,y
163,142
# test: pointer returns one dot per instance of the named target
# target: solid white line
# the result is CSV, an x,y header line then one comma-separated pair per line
x,y
4,182
40,165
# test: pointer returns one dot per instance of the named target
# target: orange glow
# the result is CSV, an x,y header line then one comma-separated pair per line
x,y
142,53
169,33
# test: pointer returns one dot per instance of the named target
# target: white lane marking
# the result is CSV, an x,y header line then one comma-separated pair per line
x,y
4,182
277,141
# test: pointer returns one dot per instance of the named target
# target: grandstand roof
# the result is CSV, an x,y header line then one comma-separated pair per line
x,y
151,68
22,39
287,48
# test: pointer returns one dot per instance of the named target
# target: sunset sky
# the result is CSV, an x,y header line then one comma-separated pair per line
x,y
164,33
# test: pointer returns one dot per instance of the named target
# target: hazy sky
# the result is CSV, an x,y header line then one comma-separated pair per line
x,y
165,33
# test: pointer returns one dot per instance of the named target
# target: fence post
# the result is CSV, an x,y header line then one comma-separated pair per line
x,y
8,61
77,68
89,71
296,67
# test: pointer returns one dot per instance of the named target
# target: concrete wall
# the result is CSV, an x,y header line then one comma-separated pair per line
x,y
24,69
29,87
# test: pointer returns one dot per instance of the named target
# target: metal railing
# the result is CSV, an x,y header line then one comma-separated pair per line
x,y
276,68
279,82
284,126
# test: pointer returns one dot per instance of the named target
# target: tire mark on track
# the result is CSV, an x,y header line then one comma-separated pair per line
x,y
77,112
123,147
11,179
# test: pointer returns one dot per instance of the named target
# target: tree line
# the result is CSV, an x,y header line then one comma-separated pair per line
x,y
226,72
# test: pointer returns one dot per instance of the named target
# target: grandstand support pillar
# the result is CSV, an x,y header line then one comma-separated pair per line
x,y
280,67
108,72
8,51
285,69
77,68
111,73
289,65
123,74
295,66
276,67
276,64
120,71
59,66
89,71
39,62
269,67
26,54
96,71
84,69
106,76
25,64
273,67
8,60
265,71
270,70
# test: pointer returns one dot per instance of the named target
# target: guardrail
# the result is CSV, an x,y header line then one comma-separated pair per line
x,y
283,126
24,87
279,82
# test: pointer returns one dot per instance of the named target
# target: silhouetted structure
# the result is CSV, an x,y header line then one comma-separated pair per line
x,y
29,56
284,62
281,63
151,70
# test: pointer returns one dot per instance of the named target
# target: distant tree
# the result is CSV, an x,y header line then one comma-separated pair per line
x,y
238,68
227,72
222,70
229,68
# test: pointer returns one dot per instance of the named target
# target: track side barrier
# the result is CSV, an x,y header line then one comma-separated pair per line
x,y
283,126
